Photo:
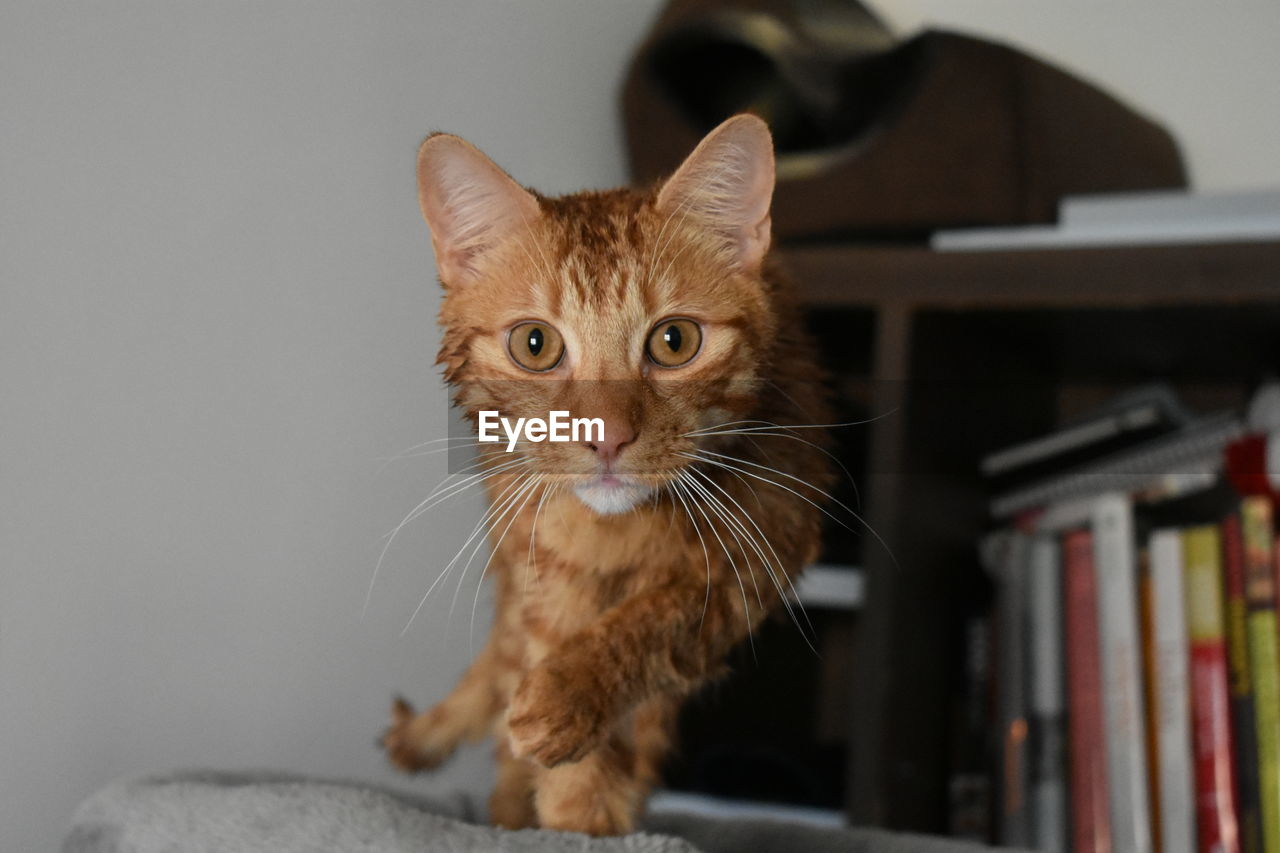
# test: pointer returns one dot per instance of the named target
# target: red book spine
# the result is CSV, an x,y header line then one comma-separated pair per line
x,y
1212,755
1090,815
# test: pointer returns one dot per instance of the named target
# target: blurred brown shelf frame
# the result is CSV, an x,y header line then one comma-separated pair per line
x,y
1046,278
971,351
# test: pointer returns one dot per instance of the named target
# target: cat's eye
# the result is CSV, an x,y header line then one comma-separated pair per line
x,y
674,343
535,346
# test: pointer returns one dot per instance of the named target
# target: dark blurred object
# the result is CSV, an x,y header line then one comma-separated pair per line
x,y
759,734
877,138
1127,420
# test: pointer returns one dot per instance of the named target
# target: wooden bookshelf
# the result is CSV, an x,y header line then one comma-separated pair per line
x,y
1133,276
960,353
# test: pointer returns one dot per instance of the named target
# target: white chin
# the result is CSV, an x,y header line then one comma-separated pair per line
x,y
610,500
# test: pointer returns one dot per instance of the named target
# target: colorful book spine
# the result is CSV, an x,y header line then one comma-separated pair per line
x,y
1116,560
1264,658
1168,673
1090,801
1244,730
1210,702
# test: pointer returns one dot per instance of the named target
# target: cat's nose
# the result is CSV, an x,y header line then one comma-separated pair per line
x,y
617,434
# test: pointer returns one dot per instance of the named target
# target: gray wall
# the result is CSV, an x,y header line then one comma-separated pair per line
x,y
1209,71
216,319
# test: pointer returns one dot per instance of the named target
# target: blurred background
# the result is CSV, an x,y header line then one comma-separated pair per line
x,y
217,304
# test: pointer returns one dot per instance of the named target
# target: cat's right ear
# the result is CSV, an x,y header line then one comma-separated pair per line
x,y
469,203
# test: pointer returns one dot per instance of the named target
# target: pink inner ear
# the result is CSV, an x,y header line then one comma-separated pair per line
x,y
469,203
727,185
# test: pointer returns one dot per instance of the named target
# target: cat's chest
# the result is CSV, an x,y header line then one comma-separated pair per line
x,y
612,545
578,565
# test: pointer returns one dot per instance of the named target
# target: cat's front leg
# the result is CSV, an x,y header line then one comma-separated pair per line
x,y
560,712
569,703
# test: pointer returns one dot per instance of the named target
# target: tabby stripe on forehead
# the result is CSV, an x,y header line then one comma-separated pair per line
x,y
648,295
621,283
742,324
557,296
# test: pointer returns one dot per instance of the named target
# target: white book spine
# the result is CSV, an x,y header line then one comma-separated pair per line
x,y
1173,698
1120,641
1048,699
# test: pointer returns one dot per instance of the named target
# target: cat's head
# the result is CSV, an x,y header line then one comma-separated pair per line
x,y
646,309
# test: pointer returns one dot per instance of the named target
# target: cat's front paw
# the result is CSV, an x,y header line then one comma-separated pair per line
x,y
417,741
556,716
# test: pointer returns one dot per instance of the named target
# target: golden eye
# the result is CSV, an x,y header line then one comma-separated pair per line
x,y
674,343
535,346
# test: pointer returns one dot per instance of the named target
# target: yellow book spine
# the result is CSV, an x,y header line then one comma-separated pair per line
x,y
1266,681
1264,658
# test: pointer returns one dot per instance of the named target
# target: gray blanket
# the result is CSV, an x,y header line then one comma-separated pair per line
x,y
262,813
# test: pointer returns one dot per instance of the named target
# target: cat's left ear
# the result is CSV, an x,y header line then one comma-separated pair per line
x,y
726,184
470,204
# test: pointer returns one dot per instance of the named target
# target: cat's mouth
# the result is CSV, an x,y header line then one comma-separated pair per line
x,y
611,493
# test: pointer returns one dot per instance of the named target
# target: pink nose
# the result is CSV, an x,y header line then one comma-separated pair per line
x,y
617,435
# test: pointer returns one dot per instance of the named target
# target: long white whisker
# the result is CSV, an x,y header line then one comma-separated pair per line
x,y
493,552
531,558
715,501
781,570
671,486
469,480
768,425
782,473
430,441
728,424
447,491
414,452
751,435
495,518
746,607
719,510
432,500
417,454
445,571
807,500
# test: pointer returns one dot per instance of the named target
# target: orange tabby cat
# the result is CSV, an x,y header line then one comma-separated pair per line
x,y
627,566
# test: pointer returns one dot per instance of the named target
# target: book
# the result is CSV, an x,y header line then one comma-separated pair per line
x,y
1264,657
1008,559
1137,219
1167,673
1244,728
1211,726
1146,627
1046,700
1134,416
1087,770
1172,464
1115,559
969,788
1171,206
